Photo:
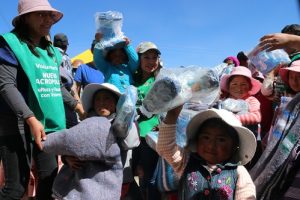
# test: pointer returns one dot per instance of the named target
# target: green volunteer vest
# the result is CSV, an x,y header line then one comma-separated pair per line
x,y
44,94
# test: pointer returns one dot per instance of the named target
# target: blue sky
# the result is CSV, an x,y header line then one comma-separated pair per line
x,y
188,32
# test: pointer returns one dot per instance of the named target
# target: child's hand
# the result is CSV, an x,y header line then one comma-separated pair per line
x,y
172,115
127,41
73,162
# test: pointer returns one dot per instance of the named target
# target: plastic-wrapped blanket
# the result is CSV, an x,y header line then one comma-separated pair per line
x,y
175,86
101,176
126,112
265,61
237,106
110,25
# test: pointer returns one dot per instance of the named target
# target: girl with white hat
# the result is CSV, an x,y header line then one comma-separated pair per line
x,y
211,164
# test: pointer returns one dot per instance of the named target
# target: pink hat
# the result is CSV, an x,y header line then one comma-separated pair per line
x,y
284,72
234,60
242,71
28,6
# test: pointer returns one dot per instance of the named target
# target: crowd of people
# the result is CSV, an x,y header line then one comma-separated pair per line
x,y
60,133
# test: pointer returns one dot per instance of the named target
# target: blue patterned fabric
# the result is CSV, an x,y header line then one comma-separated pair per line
x,y
198,183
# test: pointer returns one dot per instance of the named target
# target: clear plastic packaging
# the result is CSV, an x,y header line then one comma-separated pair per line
x,y
181,124
126,112
110,25
265,61
175,86
222,69
237,106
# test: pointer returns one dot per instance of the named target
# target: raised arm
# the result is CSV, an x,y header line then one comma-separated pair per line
x,y
133,58
166,144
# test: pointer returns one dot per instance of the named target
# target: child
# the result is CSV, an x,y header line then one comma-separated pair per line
x,y
239,85
210,167
291,77
94,165
117,63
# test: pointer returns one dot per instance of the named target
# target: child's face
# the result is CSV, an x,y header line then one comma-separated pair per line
x,y
117,57
239,87
104,103
149,61
214,145
294,81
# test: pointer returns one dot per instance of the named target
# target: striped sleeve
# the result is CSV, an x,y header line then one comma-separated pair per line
x,y
254,114
169,150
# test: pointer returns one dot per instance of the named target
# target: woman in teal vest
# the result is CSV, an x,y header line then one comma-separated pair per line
x,y
30,98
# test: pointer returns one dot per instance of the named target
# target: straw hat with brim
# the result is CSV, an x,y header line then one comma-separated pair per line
x,y
28,6
247,140
284,72
89,92
241,71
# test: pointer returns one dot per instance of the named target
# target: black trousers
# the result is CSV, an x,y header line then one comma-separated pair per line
x,y
16,167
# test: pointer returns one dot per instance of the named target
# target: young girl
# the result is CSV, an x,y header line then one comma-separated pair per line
x,y
117,63
291,77
145,158
210,167
239,85
93,167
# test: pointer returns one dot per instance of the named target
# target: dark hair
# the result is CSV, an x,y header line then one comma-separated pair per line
x,y
22,32
137,76
219,123
241,56
107,57
293,29
116,97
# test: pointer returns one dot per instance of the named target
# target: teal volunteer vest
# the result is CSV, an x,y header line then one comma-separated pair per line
x,y
44,93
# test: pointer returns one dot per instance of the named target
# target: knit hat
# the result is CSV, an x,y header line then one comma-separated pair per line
x,y
247,140
89,92
28,6
233,59
242,71
284,72
60,40
145,46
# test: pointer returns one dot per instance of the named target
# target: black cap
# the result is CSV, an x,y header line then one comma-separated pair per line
x,y
60,40
293,29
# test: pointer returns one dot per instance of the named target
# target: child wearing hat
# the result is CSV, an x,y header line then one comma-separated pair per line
x,y
211,164
291,77
240,85
94,153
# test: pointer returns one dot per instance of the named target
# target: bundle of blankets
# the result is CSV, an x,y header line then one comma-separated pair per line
x,y
101,176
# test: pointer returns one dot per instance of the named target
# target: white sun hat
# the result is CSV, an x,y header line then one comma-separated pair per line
x,y
89,91
247,140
